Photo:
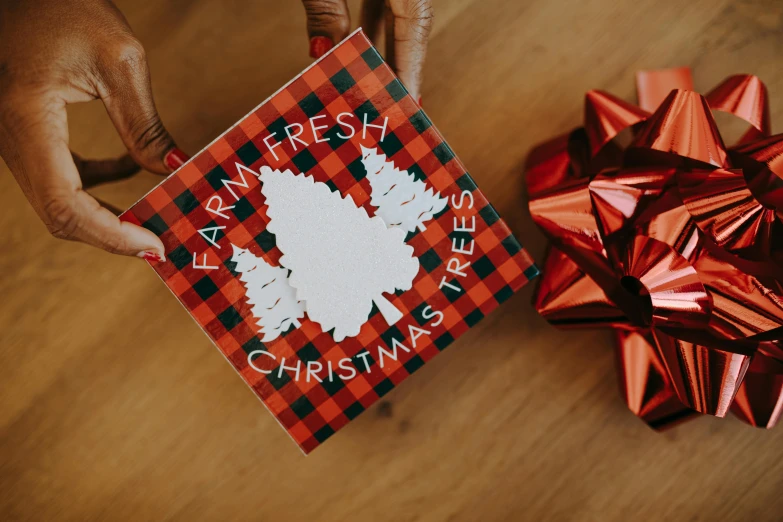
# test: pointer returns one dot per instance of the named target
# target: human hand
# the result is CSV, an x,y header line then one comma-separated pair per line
x,y
408,24
56,52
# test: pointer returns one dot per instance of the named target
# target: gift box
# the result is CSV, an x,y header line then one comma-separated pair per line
x,y
331,243
661,231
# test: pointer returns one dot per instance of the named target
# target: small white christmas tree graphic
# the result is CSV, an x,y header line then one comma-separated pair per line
x,y
272,298
341,259
402,200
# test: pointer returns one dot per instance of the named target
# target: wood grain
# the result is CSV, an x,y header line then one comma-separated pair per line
x,y
114,406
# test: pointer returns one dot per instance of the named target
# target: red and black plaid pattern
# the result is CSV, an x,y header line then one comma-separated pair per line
x,y
353,78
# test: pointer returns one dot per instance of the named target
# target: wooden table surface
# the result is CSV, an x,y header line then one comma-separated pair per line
x,y
113,404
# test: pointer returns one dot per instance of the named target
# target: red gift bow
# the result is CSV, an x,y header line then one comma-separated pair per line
x,y
675,241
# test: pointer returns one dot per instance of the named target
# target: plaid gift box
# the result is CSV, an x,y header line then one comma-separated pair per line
x,y
317,124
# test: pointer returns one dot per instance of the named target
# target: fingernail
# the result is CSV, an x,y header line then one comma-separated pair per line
x,y
175,159
152,257
319,46
419,101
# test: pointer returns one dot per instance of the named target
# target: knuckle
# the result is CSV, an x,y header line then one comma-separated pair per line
x,y
148,132
327,15
60,217
418,10
129,54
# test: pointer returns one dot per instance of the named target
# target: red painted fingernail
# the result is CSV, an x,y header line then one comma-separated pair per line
x,y
319,46
175,159
152,257
419,101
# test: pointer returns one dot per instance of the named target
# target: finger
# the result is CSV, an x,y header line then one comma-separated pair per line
x,y
328,22
408,26
43,162
372,18
95,172
127,94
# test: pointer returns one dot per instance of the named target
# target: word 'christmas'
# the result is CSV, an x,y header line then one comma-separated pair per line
x,y
344,369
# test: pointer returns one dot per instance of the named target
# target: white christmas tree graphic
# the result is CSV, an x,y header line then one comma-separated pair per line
x,y
341,260
272,298
402,201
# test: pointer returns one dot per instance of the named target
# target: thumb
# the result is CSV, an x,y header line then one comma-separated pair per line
x,y
127,94
328,22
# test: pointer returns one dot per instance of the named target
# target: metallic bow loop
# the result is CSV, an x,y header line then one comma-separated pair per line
x,y
673,240
566,213
606,116
705,378
569,298
744,96
683,126
759,401
644,381
724,208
